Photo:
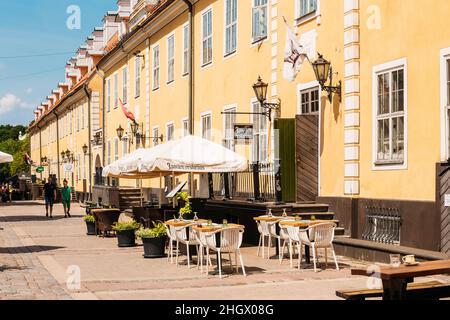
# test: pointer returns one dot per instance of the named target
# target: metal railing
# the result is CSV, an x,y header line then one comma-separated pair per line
x,y
382,225
256,183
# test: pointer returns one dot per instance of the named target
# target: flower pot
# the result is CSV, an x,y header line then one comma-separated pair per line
x,y
91,230
154,247
126,238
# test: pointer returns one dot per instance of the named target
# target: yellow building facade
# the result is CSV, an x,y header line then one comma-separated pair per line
x,y
380,144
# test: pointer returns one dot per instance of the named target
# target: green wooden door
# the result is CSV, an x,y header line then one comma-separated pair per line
x,y
285,149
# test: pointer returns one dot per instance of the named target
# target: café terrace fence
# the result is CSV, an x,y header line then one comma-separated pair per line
x,y
382,225
257,183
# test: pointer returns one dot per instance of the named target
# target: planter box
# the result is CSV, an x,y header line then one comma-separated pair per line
x,y
154,247
126,238
91,229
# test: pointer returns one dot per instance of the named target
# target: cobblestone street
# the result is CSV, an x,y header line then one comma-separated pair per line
x,y
38,256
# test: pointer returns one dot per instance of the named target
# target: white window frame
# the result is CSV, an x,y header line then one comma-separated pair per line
x,y
258,133
203,115
125,85
170,124
259,38
445,108
203,38
186,49
116,90
170,59
155,131
229,135
308,89
226,27
116,149
125,144
383,68
137,76
156,66
185,126
108,151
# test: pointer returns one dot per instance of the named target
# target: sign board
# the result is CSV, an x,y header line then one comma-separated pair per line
x,y
68,167
243,132
447,200
40,169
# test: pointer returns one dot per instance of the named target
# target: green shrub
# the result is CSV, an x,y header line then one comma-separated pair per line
x,y
158,231
187,209
89,218
122,226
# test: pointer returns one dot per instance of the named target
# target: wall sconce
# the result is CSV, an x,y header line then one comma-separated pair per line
x,y
324,71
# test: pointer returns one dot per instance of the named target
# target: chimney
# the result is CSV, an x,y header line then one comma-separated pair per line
x,y
57,94
110,27
64,88
83,62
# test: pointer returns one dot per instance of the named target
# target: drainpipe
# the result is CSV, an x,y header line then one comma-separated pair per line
x,y
191,81
89,96
40,146
57,142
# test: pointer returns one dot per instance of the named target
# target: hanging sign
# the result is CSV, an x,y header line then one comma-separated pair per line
x,y
243,132
68,167
40,169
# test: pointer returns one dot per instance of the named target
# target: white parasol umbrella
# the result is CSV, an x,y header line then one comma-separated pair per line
x,y
4,157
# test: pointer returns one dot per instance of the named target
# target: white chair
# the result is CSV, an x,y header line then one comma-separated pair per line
x,y
201,238
294,241
264,232
320,236
171,234
285,237
230,242
182,236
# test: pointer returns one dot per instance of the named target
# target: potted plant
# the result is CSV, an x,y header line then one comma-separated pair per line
x,y
185,198
154,240
90,224
126,236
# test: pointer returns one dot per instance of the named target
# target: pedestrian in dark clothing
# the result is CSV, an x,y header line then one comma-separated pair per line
x,y
49,196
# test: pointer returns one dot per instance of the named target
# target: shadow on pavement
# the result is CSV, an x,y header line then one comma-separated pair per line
x,y
28,249
15,268
21,203
25,218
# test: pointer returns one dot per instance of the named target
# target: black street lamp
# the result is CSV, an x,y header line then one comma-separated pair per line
x,y
97,138
324,72
260,89
63,154
85,149
134,128
120,132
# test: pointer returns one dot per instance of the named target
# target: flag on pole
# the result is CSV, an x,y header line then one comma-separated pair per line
x,y
28,159
127,113
294,55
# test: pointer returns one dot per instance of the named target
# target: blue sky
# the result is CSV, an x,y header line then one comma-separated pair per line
x,y
34,27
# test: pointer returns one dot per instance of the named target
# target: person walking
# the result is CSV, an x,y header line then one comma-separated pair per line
x,y
49,196
66,193
10,192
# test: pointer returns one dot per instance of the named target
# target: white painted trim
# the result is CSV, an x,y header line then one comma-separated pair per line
x,y
170,123
255,42
183,62
156,45
298,20
204,115
445,130
231,54
308,86
385,67
167,57
202,65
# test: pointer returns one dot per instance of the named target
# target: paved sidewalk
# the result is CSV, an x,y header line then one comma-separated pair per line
x,y
42,258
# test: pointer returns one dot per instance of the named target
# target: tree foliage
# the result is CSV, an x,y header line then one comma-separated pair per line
x,y
10,143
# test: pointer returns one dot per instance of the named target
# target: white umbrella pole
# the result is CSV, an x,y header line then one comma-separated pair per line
x,y
142,193
173,183
160,190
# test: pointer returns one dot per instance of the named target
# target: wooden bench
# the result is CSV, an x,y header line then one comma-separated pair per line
x,y
432,290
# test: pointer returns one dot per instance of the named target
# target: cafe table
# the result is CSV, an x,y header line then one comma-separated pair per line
x,y
396,279
304,224
214,228
176,223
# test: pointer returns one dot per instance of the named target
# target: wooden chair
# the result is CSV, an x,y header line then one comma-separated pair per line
x,y
104,219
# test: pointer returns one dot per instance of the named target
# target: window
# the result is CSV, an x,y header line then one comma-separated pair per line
x,y
82,116
207,37
170,58
307,7
230,26
137,76
310,101
155,136
155,67
125,145
186,44
259,20
116,91
109,152
116,149
185,127
108,95
390,116
125,85
229,122
260,141
206,126
170,131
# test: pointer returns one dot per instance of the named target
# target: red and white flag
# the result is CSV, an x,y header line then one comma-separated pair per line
x,y
127,113
294,55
